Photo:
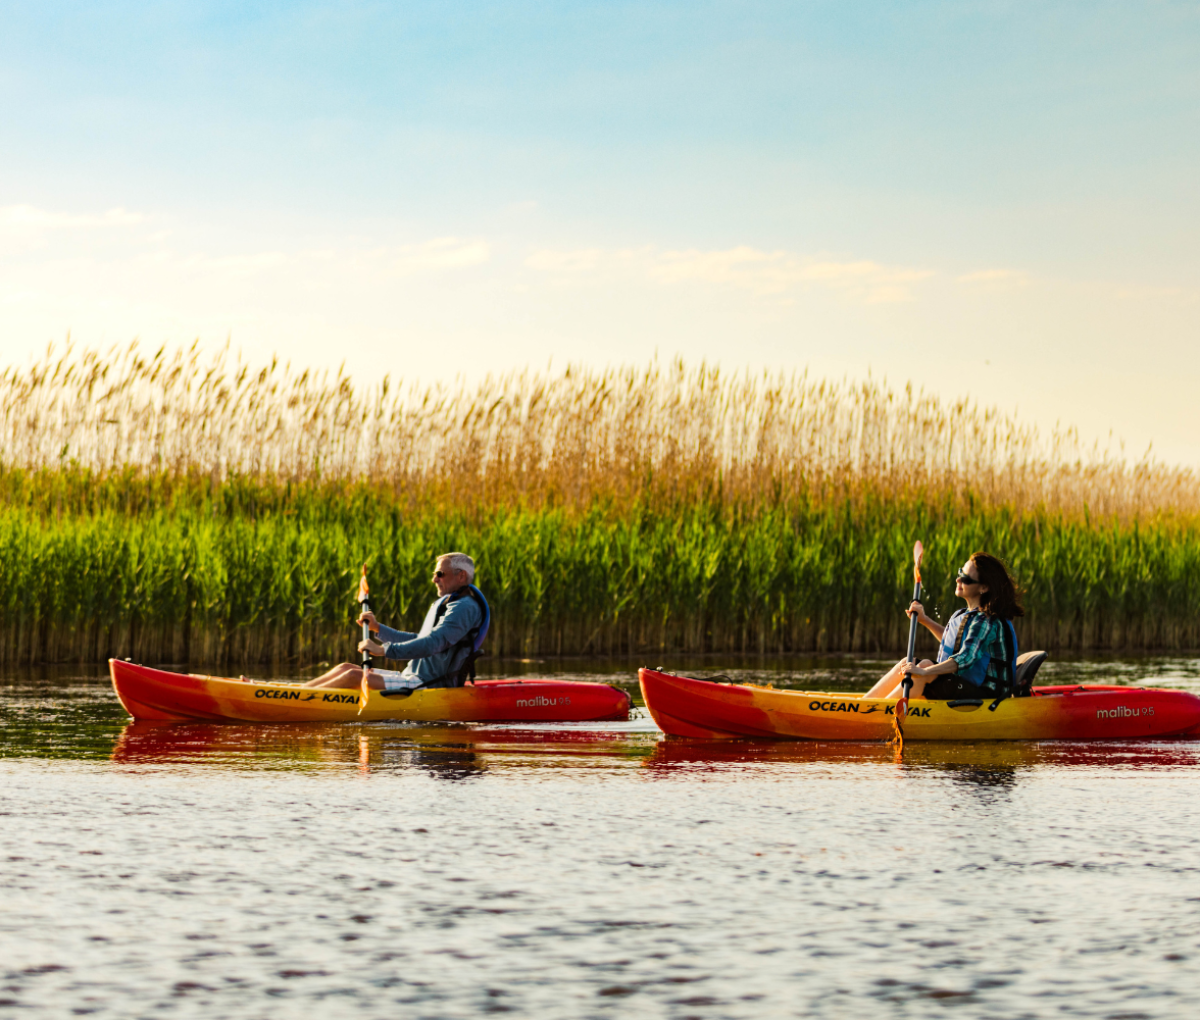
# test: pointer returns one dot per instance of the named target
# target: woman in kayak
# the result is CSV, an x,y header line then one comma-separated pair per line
x,y
978,644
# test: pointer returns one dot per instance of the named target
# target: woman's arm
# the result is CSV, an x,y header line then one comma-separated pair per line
x,y
928,622
945,666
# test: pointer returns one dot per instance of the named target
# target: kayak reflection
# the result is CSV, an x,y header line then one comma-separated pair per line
x,y
453,751
447,761
985,762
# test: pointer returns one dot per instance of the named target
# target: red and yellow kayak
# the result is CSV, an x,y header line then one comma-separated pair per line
x,y
157,694
686,707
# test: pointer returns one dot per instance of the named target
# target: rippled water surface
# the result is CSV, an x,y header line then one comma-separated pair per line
x,y
384,870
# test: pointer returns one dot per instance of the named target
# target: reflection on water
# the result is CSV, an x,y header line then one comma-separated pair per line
x,y
453,750
380,869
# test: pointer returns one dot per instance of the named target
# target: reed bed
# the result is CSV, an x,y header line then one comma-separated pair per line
x,y
174,508
536,439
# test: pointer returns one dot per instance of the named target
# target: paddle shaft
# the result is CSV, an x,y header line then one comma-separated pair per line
x,y
912,640
366,633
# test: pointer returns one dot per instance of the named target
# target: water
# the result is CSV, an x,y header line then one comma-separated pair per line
x,y
378,870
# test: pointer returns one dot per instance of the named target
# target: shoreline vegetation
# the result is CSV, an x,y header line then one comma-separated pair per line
x,y
175,508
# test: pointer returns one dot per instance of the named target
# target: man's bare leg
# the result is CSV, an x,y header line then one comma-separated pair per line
x,y
346,676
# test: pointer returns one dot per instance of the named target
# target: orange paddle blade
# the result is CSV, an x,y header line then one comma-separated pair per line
x,y
363,590
918,554
897,740
366,691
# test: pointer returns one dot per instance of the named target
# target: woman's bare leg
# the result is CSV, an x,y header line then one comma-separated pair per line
x,y
885,683
888,686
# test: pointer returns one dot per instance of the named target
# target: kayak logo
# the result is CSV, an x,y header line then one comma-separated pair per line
x,y
541,702
914,711
832,706
341,698
285,695
1121,712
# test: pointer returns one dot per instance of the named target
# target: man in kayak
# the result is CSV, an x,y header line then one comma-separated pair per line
x,y
978,644
437,652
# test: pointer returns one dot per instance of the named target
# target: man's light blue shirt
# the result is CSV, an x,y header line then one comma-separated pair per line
x,y
431,652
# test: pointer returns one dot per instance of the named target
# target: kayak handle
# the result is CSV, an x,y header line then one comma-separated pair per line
x,y
965,703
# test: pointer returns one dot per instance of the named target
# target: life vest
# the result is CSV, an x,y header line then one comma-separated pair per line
x,y
1008,638
472,640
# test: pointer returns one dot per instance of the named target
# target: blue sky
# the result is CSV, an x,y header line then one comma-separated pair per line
x,y
991,199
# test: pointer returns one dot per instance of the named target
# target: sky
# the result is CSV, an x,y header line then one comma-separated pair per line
x,y
994,200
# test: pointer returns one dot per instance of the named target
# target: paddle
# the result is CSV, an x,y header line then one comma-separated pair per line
x,y
363,593
906,684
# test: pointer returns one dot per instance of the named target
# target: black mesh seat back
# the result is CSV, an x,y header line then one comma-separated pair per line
x,y
1027,666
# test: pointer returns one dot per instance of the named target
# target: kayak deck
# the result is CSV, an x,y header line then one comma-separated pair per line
x,y
687,707
148,693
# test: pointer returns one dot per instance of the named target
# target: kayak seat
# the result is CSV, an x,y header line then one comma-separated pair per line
x,y
1027,666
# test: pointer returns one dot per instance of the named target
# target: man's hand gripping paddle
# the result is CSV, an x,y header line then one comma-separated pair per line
x,y
363,593
906,684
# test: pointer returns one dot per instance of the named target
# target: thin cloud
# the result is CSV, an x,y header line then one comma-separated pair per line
x,y
585,260
440,253
30,219
763,273
238,265
1186,295
996,279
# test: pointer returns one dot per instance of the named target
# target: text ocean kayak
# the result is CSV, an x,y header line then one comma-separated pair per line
x,y
686,707
157,694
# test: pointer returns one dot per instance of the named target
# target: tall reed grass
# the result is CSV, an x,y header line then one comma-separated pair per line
x,y
534,439
179,509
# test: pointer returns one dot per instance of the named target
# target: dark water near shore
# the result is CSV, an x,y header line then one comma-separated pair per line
x,y
381,869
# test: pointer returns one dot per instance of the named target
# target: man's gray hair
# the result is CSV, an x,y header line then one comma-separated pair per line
x,y
460,561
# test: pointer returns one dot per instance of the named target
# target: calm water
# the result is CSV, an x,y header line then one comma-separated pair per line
x,y
386,870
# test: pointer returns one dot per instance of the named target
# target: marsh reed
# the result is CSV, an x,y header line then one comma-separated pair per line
x,y
184,507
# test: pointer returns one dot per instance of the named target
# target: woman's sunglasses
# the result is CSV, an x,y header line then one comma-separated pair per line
x,y
966,578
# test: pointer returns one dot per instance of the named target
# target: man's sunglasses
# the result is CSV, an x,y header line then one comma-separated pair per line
x,y
441,573
967,578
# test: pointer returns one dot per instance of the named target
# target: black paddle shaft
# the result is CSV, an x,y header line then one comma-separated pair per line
x,y
366,656
912,639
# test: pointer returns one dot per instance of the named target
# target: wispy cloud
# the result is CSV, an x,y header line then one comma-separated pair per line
x,y
25,224
1186,295
995,279
439,254
584,260
442,254
237,266
763,273
30,219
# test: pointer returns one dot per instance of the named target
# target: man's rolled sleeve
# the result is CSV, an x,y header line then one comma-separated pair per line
x,y
389,635
461,617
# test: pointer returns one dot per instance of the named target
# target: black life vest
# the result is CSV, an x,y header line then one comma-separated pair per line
x,y
472,640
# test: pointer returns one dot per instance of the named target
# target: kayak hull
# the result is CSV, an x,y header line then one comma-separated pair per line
x,y
157,694
685,707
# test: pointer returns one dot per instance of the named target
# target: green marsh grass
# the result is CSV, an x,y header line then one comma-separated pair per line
x,y
176,510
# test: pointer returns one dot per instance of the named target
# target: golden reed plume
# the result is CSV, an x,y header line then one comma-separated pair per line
x,y
533,438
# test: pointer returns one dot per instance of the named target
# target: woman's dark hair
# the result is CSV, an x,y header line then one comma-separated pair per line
x,y
1002,598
